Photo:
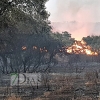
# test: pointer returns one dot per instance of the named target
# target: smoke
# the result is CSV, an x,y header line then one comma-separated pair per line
x,y
77,29
77,10
79,17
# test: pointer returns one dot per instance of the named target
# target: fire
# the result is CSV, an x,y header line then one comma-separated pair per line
x,y
88,52
34,47
24,47
80,47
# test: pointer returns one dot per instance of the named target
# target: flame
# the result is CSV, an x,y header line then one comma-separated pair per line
x,y
80,47
88,52
24,47
34,47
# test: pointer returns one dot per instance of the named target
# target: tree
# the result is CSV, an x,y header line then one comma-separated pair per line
x,y
64,38
93,41
35,8
20,17
33,53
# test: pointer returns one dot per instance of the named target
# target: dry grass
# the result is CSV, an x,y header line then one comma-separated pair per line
x,y
14,98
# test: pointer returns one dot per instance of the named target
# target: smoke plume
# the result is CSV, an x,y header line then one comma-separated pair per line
x,y
78,17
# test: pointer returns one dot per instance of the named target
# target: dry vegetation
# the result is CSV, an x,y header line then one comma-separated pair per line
x,y
62,87
14,98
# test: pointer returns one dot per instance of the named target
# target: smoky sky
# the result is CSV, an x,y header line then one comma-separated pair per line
x,y
76,16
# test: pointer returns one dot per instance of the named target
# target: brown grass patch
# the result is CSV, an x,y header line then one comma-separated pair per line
x,y
14,98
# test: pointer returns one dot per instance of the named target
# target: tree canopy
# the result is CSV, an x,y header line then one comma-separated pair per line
x,y
26,39
93,41
23,13
64,37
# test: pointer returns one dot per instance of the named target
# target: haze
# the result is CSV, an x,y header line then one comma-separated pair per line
x,y
79,17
